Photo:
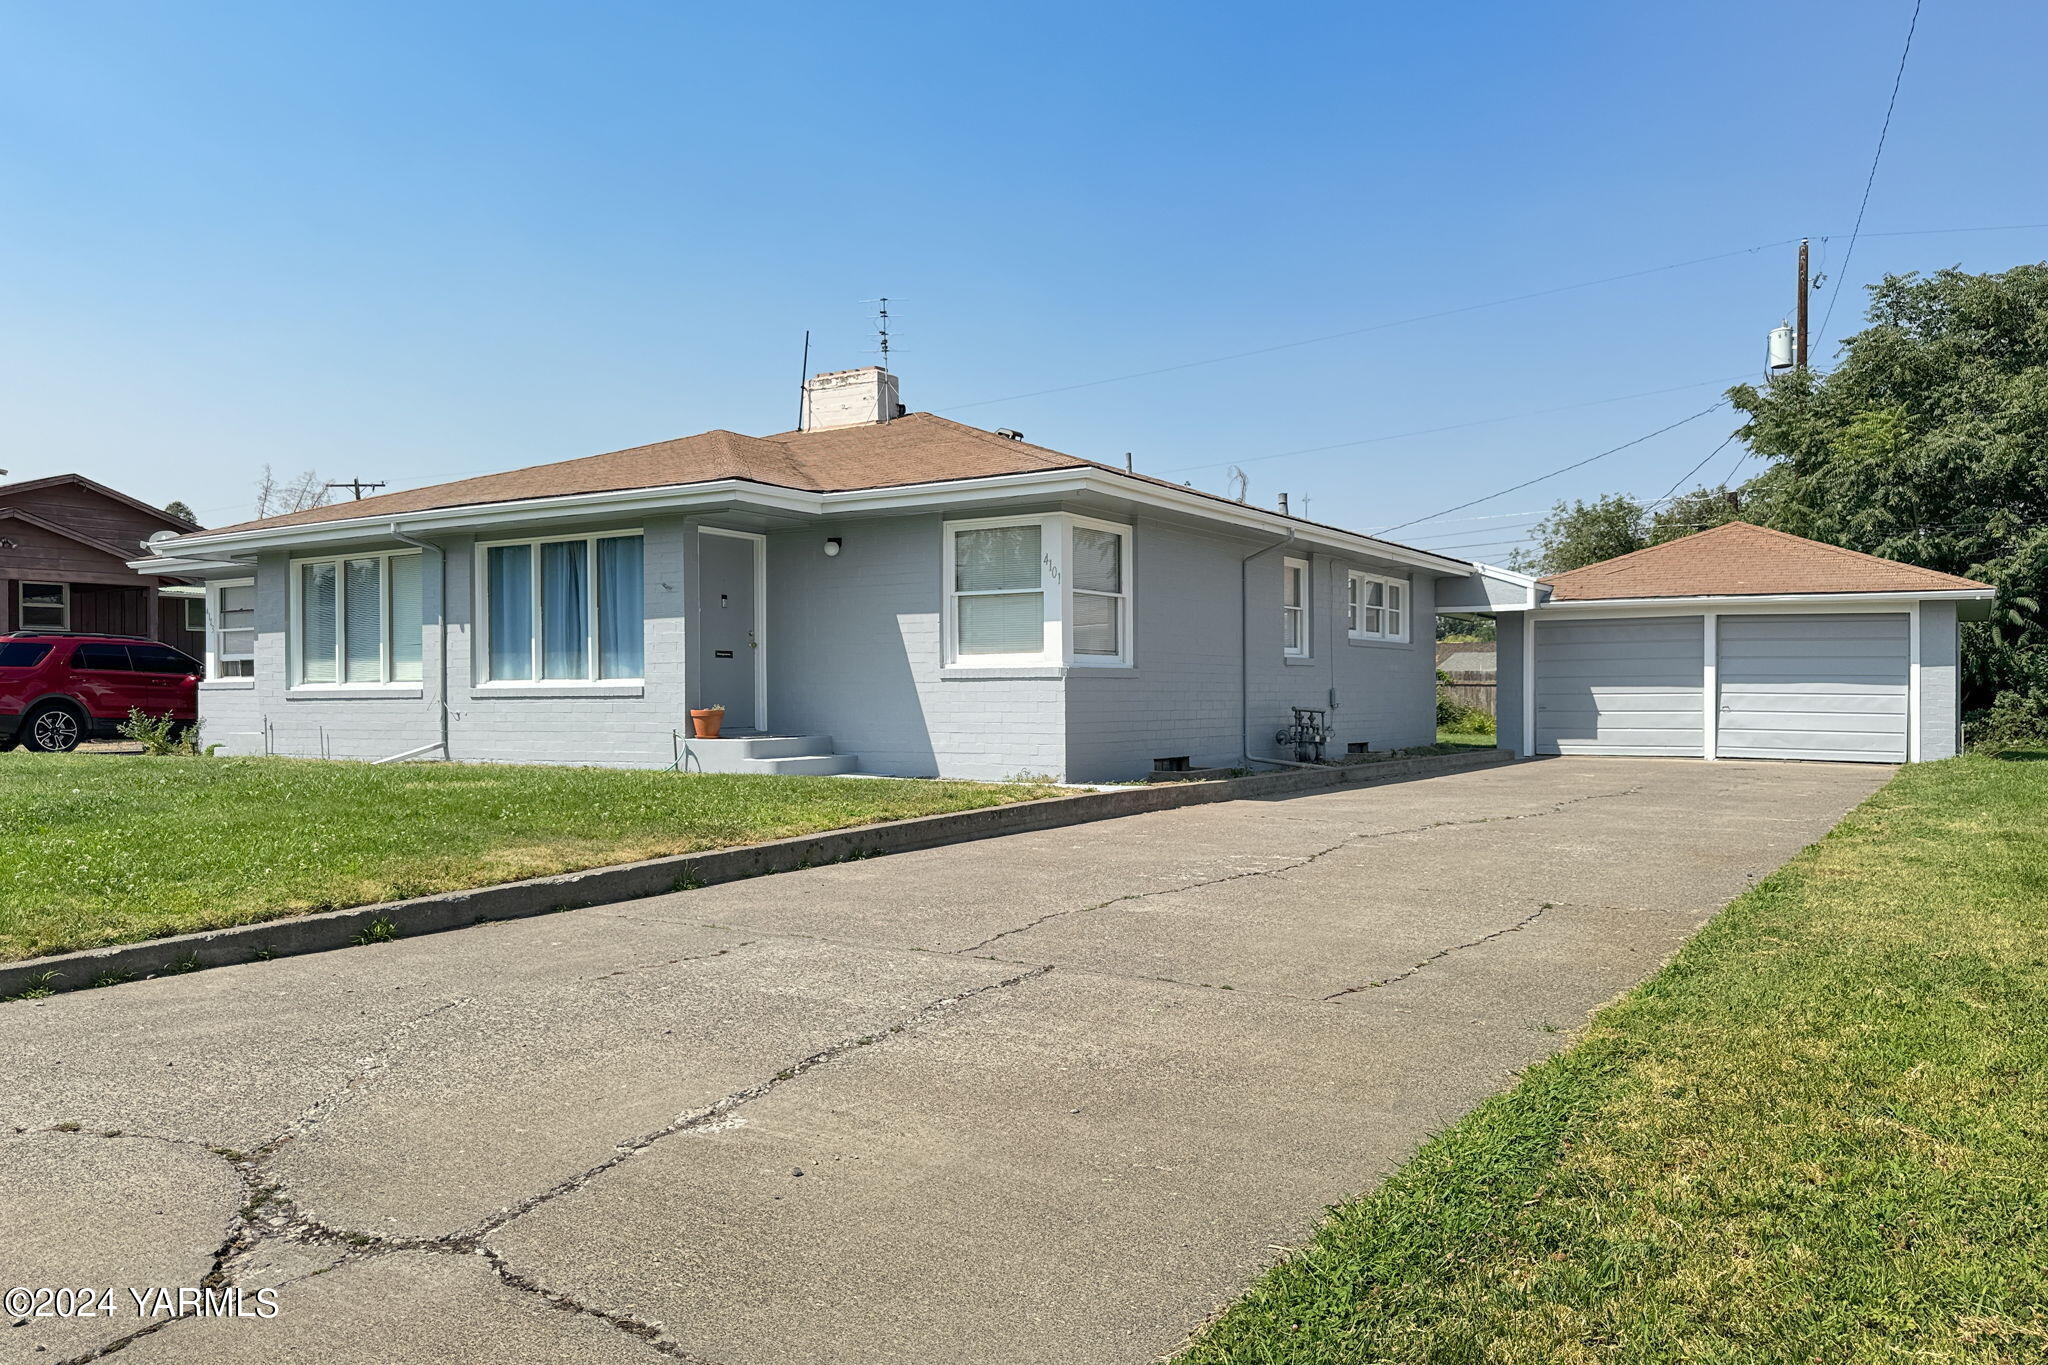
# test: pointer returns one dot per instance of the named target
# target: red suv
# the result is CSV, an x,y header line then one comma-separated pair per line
x,y
60,687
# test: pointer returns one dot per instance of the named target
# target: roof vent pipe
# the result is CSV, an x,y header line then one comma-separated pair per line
x,y
1009,433
1283,504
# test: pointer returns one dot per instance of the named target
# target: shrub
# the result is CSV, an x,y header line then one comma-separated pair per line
x,y
1455,716
2014,720
160,734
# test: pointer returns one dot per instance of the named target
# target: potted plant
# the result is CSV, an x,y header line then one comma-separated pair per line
x,y
706,720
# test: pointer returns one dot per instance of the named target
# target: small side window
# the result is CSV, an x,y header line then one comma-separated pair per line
x,y
1294,630
162,659
109,658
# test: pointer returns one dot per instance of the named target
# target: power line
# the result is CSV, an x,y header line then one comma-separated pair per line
x,y
1690,472
1577,464
1465,308
1849,252
1479,545
1373,327
1734,468
1455,426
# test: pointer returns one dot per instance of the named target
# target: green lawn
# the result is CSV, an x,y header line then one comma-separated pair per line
x,y
1459,739
1821,1134
98,849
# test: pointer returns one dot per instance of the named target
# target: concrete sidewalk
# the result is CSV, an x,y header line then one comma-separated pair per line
x,y
1054,1096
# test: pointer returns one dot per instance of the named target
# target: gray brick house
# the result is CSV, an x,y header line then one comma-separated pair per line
x,y
890,592
876,591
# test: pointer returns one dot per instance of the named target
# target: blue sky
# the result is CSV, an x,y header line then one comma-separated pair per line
x,y
410,242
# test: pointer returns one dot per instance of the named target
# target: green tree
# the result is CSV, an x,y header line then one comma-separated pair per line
x,y
180,510
1699,510
1929,443
1576,534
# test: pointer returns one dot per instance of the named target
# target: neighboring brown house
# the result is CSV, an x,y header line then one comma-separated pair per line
x,y
65,543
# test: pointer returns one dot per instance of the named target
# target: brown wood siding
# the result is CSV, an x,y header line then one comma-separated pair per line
x,y
106,595
78,508
110,611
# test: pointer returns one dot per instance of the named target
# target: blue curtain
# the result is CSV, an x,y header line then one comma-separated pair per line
x,y
511,589
619,607
564,626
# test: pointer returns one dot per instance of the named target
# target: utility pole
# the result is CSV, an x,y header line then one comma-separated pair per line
x,y
356,486
1799,337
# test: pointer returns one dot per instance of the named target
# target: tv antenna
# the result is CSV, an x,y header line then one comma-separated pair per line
x,y
882,325
1238,477
356,486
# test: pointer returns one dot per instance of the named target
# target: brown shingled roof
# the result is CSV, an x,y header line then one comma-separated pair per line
x,y
919,448
1741,560
913,449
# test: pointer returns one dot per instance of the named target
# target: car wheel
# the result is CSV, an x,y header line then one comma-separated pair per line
x,y
52,730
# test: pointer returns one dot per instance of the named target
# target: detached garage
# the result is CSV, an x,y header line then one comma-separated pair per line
x,y
1738,642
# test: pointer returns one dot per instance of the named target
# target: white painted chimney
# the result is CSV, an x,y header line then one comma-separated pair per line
x,y
850,398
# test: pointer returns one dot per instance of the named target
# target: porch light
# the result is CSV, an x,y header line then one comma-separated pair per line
x,y
831,546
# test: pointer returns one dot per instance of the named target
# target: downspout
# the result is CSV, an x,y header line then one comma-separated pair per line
x,y
1244,655
441,626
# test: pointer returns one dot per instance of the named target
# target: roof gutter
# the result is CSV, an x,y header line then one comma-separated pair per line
x,y
1900,595
777,499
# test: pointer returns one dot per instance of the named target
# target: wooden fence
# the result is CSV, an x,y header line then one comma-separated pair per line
x,y
1472,689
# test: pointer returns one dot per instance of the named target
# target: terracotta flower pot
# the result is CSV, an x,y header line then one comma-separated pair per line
x,y
706,723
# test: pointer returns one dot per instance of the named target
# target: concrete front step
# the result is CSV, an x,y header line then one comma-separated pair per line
x,y
746,753
808,765
760,746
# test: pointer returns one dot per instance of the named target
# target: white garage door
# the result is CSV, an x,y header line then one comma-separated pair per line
x,y
1628,686
1827,687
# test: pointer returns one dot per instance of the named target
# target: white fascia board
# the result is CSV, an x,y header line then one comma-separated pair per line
x,y
181,567
1867,601
498,515
1523,593
798,502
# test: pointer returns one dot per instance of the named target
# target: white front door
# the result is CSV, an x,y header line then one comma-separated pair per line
x,y
730,574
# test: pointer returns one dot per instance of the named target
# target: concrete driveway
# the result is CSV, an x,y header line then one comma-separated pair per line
x,y
1052,1097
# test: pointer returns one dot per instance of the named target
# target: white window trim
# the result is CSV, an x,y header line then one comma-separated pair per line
x,y
214,656
1306,649
480,578
1055,558
21,603
1354,607
294,609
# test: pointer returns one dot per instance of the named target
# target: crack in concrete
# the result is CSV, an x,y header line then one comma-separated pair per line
x,y
724,1105
649,1332
105,1349
266,1214
1443,953
1294,865
670,962
366,1069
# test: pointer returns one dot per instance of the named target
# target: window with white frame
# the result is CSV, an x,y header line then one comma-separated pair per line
x,y
1379,607
195,614
45,606
563,609
1049,589
230,609
1294,632
356,620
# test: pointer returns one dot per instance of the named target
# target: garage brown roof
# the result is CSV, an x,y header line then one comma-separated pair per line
x,y
918,448
1741,560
